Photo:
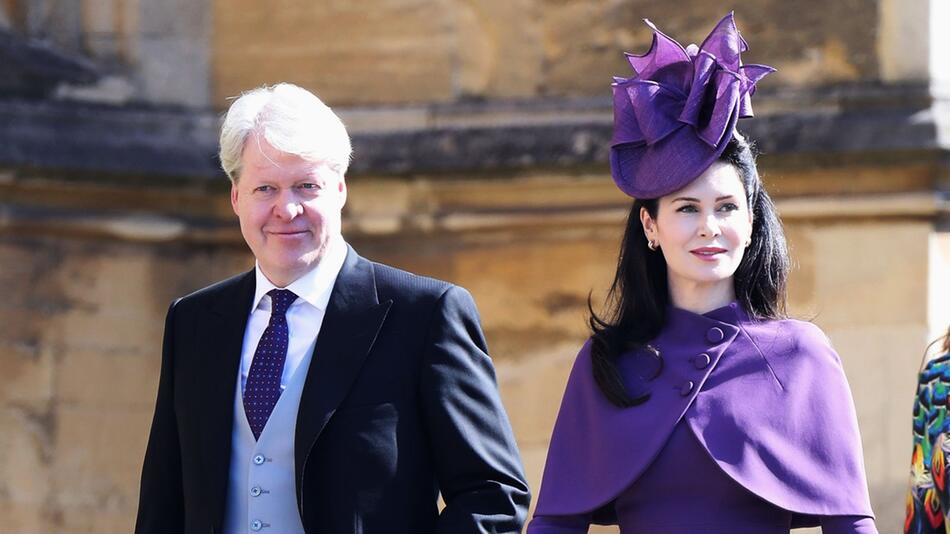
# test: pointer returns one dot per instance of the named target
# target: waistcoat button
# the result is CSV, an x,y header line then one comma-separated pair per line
x,y
255,491
259,459
256,525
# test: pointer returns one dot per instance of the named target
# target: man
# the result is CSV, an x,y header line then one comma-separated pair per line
x,y
321,392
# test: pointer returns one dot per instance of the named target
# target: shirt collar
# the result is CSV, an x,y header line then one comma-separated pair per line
x,y
315,286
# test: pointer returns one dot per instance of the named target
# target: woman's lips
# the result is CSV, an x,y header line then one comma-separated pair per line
x,y
707,253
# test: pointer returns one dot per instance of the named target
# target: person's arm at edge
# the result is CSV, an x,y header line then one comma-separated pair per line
x,y
915,521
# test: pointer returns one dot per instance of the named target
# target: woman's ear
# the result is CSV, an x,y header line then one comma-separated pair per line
x,y
649,225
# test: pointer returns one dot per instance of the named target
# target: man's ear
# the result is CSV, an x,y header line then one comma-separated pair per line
x,y
234,197
342,190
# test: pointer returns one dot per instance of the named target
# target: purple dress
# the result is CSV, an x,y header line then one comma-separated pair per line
x,y
750,429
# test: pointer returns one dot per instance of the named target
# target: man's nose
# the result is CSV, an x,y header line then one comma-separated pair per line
x,y
288,206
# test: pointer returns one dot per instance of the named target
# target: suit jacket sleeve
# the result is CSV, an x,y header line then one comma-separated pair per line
x,y
553,524
477,462
161,500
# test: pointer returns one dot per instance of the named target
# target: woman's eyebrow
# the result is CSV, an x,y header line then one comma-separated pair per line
x,y
692,199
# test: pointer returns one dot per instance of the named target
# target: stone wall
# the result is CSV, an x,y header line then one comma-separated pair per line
x,y
81,327
445,50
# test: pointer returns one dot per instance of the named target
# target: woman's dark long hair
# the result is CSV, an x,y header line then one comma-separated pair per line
x,y
639,296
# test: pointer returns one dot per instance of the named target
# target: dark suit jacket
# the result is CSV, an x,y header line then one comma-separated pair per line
x,y
400,403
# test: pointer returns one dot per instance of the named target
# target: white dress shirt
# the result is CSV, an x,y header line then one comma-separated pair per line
x,y
304,317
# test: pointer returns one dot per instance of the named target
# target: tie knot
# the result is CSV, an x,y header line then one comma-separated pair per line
x,y
280,300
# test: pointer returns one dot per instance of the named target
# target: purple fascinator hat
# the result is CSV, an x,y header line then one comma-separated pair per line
x,y
674,118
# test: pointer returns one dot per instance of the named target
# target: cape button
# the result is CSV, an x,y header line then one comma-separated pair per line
x,y
715,335
686,388
701,361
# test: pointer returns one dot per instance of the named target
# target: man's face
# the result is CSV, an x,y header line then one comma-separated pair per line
x,y
289,209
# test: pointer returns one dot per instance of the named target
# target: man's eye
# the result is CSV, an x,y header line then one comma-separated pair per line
x,y
263,188
309,186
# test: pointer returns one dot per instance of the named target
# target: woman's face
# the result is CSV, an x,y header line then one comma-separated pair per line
x,y
702,230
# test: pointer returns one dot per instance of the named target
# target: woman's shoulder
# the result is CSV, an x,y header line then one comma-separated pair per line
x,y
788,337
935,364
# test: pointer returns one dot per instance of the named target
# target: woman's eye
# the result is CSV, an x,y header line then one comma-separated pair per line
x,y
728,206
689,208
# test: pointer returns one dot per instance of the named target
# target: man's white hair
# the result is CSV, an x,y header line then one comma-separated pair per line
x,y
292,120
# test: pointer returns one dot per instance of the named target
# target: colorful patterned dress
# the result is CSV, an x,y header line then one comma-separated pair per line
x,y
927,500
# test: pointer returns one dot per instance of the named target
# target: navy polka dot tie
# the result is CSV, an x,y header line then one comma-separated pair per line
x,y
262,388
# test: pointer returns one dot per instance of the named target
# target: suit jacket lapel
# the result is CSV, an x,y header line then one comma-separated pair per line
x,y
353,319
221,335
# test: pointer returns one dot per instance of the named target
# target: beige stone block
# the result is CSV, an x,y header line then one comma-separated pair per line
x,y
113,281
541,191
529,289
98,519
838,182
801,280
91,472
116,304
379,206
903,43
26,446
830,61
27,368
348,52
499,48
99,16
871,273
533,458
584,40
881,364
532,387
26,517
108,378
582,45
939,284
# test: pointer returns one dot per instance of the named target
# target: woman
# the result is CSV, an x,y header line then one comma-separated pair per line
x,y
696,406
928,500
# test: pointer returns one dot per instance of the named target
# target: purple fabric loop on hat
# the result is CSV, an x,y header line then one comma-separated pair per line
x,y
674,118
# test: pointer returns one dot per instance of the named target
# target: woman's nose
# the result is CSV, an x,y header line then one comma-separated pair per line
x,y
709,226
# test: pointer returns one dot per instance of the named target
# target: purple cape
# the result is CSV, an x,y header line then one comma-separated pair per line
x,y
772,407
